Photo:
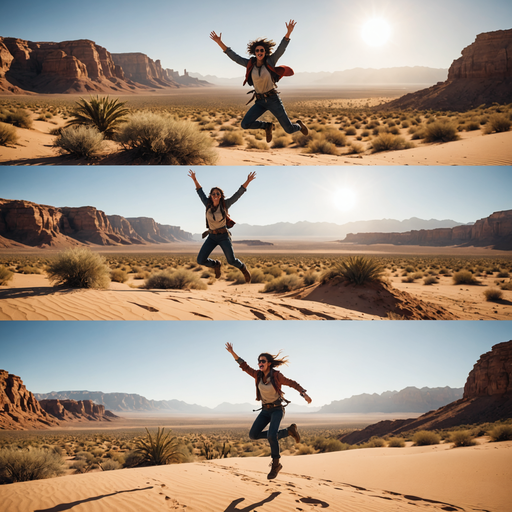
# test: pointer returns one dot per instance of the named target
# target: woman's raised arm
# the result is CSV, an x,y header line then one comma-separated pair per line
x,y
218,40
192,174
289,28
252,176
229,348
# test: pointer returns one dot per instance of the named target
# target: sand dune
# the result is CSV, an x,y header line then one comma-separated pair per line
x,y
31,297
430,478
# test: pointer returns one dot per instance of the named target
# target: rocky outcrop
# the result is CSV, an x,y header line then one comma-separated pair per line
x,y
36,225
487,397
494,231
73,410
79,66
483,75
185,79
19,409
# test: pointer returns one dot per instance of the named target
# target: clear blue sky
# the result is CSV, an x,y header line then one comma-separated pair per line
x,y
327,36
188,361
279,194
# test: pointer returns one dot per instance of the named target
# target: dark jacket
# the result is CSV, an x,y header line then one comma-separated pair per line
x,y
276,378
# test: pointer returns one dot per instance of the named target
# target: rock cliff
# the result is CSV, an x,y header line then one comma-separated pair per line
x,y
483,75
19,409
72,410
37,225
494,231
487,397
79,66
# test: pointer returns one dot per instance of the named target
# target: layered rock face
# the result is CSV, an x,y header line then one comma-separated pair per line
x,y
36,225
80,410
495,231
19,409
487,398
483,75
79,66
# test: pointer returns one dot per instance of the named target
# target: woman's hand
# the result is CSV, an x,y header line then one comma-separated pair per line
x,y
252,176
289,27
229,348
218,40
192,174
306,397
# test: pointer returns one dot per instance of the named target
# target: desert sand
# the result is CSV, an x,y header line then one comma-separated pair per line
x,y
429,478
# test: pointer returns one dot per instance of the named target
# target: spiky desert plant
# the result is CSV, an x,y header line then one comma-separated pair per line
x,y
79,141
23,465
79,268
159,449
359,270
103,113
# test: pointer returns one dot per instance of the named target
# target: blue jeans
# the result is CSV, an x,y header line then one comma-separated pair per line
x,y
212,241
274,104
273,434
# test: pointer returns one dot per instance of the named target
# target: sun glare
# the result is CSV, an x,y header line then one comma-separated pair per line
x,y
345,199
376,32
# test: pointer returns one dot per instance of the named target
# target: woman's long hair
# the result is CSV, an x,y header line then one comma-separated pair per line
x,y
268,44
274,360
222,202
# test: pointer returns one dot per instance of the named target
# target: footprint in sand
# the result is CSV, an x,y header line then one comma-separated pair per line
x,y
313,501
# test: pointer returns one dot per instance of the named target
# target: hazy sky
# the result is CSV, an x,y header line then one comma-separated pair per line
x,y
327,37
279,194
188,361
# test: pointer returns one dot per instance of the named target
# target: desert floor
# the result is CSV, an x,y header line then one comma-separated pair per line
x,y
32,297
218,109
431,478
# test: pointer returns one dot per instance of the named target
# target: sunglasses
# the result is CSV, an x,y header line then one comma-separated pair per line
x,y
260,51
262,361
215,194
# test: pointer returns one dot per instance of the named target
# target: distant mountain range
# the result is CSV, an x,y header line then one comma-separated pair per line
x,y
410,399
357,76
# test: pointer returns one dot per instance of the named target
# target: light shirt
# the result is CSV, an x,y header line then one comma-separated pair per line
x,y
267,392
218,222
262,80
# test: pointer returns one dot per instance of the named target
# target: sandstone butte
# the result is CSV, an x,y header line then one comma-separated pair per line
x,y
487,397
494,231
20,410
81,66
483,75
23,223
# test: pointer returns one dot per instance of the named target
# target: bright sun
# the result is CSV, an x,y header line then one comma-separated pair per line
x,y
376,32
344,199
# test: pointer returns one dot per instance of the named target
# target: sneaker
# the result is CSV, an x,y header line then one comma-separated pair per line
x,y
217,269
246,274
274,470
294,432
268,131
303,128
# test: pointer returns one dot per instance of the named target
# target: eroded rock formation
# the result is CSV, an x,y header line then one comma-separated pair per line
x,y
487,398
483,75
81,410
495,231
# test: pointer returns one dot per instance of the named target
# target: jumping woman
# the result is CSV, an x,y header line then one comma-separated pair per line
x,y
217,223
263,74
268,390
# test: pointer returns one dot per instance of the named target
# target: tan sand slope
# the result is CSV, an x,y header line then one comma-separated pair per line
x,y
431,478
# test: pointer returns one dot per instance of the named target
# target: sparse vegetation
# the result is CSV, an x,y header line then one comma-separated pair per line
x,y
357,270
158,449
180,280
462,438
22,465
501,433
493,294
8,134
79,142
464,277
5,275
441,131
425,438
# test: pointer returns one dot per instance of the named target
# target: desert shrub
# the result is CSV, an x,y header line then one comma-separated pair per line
x,y
236,276
506,286
118,275
79,268
389,142
109,465
429,280
21,465
159,449
425,438
304,449
311,278
334,136
5,275
322,146
178,280
471,126
493,294
8,134
80,141
350,131
20,118
257,276
464,277
498,123
440,131
462,438
281,142
396,442
161,138
503,273
232,138
283,284
274,271
355,148
323,444
104,114
253,143
501,433
359,270
27,269
375,442
303,140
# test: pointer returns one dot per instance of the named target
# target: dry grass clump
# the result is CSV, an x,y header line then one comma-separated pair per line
x,y
178,280
79,142
441,131
396,442
425,438
18,117
501,433
429,280
8,134
165,140
118,275
464,277
493,294
253,143
232,138
283,284
357,270
462,438
79,268
5,275
23,465
321,145
389,142
498,123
